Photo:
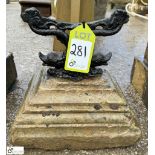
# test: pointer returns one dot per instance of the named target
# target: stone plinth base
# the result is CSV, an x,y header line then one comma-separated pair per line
x,y
61,114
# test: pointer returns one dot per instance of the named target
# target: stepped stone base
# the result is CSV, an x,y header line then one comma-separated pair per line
x,y
61,114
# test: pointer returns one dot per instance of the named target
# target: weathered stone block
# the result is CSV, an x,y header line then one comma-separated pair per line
x,y
139,78
11,73
61,114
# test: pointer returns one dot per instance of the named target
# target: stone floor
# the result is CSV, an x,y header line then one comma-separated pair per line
x,y
129,42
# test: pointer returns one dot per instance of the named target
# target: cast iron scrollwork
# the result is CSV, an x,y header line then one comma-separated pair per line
x,y
46,26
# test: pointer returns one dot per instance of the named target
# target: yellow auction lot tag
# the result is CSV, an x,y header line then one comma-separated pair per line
x,y
80,49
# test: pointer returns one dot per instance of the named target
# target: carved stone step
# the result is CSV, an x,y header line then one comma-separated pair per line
x,y
61,114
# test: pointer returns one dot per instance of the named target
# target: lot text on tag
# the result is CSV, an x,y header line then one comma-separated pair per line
x,y
80,49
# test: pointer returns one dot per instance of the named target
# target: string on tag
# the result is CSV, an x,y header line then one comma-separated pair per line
x,y
83,24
